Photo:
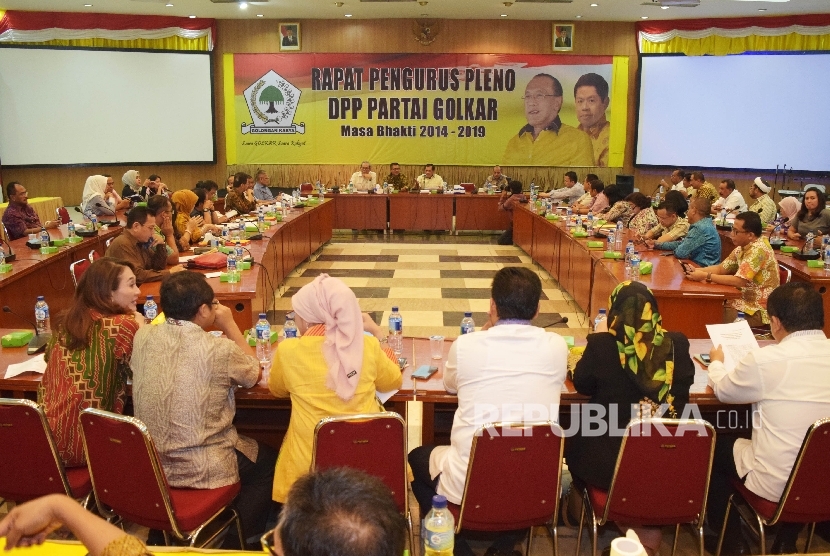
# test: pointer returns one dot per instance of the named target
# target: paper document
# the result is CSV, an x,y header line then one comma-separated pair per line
x,y
384,396
35,365
213,274
736,338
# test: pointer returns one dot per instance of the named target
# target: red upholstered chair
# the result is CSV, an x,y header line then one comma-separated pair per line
x,y
805,497
129,482
784,274
77,270
306,188
374,443
63,215
30,465
670,490
513,479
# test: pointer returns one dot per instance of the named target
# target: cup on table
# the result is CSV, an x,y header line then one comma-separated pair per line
x,y
32,237
436,346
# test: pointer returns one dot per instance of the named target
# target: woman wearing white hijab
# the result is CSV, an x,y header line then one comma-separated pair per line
x,y
132,183
99,198
334,368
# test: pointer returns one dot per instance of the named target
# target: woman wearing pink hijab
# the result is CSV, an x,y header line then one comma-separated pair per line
x,y
333,368
789,208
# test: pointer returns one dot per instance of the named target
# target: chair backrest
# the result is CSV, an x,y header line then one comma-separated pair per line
x,y
513,476
374,443
307,187
784,274
126,471
468,187
107,243
662,472
30,465
63,215
78,268
805,497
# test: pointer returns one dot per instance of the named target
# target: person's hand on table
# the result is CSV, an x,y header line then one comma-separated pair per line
x,y
51,224
649,243
696,275
174,269
716,354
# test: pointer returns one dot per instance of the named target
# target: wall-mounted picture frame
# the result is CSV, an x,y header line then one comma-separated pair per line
x,y
563,37
289,36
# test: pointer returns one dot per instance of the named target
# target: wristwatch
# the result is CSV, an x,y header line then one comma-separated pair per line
x,y
709,277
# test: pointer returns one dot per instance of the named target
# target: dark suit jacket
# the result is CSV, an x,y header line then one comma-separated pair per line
x,y
599,375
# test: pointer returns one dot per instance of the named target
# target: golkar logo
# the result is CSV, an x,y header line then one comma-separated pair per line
x,y
272,102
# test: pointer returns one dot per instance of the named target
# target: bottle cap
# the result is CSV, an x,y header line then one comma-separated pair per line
x,y
261,315
394,308
439,501
149,298
602,311
468,314
40,298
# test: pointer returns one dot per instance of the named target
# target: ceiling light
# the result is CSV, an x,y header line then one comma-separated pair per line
x,y
243,5
762,9
594,5
664,7
168,5
579,17
507,4
504,15
192,16
87,5
423,3
260,15
339,4
348,15
643,17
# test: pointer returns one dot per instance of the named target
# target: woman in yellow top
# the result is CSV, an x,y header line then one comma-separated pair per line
x,y
334,368
190,230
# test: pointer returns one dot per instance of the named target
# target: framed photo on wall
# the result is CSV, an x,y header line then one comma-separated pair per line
x,y
563,37
289,36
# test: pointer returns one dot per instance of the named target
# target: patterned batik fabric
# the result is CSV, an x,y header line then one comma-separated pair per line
x,y
756,263
95,376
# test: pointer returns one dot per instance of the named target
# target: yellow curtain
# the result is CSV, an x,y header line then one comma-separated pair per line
x,y
169,43
721,46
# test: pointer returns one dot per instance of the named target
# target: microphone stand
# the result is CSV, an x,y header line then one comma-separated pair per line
x,y
10,256
38,342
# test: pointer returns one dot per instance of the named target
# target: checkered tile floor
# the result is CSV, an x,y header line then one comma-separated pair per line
x,y
433,283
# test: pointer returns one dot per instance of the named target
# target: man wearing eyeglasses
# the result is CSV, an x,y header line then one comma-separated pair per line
x,y
671,227
545,140
702,243
750,267
146,251
364,179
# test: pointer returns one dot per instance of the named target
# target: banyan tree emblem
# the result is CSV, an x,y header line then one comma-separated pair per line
x,y
272,102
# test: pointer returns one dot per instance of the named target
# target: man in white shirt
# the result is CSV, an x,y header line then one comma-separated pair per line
x,y
675,182
504,372
730,198
569,193
788,385
365,179
429,179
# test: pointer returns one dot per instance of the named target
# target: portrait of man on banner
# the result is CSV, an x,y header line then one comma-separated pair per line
x,y
289,36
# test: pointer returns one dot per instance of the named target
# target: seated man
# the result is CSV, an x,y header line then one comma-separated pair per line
x,y
585,200
147,252
699,187
398,181
510,198
333,512
184,380
568,193
751,267
241,199
497,180
506,367
763,205
429,179
675,182
671,227
261,190
20,219
364,179
730,198
702,243
599,201
788,386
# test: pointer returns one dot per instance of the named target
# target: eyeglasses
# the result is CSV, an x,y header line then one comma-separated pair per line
x,y
536,98
734,231
267,542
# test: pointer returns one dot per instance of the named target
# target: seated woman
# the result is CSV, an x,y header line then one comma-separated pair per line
x,y
334,368
207,210
643,217
619,208
191,229
99,198
812,217
87,360
659,371
789,208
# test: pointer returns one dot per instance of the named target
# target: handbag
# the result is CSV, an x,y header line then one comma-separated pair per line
x,y
209,261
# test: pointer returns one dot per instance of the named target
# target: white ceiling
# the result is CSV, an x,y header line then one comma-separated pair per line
x,y
607,10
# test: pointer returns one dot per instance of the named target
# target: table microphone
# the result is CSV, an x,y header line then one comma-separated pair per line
x,y
10,256
38,342
560,320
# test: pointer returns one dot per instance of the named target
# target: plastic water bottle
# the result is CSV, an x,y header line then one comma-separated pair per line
x,y
619,227
662,189
826,259
71,228
612,240
741,316
723,216
601,317
42,321
2,256
657,197
589,224
776,234
94,221
44,237
629,251
351,187
242,228
635,266
439,529
233,274
263,342
467,324
825,244
808,245
289,329
260,217
396,331
151,309
225,233
568,215
489,188
578,221
240,253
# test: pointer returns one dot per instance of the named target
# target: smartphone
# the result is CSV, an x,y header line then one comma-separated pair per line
x,y
425,371
703,358
688,269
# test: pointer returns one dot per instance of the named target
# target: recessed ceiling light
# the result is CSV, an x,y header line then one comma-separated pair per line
x,y
168,5
243,5
504,15
579,17
762,9
664,7
87,5
643,17
594,5
260,15
348,15
192,16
